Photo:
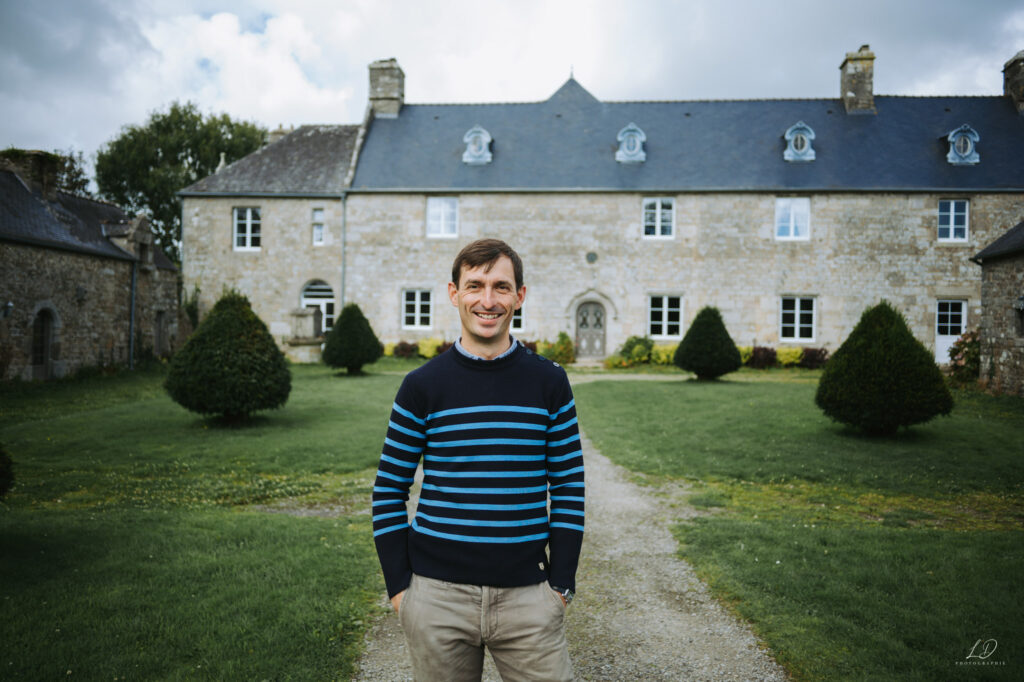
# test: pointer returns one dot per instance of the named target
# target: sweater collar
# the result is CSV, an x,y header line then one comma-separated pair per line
x,y
465,353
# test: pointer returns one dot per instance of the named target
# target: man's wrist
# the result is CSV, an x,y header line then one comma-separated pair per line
x,y
566,594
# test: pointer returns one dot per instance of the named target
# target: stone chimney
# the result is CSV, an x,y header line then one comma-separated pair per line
x,y
387,88
36,169
856,81
1013,81
276,135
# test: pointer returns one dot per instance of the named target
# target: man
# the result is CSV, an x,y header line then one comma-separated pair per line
x,y
495,425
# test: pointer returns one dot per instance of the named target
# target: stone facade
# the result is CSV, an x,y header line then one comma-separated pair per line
x,y
272,277
1002,325
88,301
861,249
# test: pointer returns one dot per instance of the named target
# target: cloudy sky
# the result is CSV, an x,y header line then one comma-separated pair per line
x,y
72,72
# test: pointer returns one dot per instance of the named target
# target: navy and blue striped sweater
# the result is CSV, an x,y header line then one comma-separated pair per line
x,y
495,438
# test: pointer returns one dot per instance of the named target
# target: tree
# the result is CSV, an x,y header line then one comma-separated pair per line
x,y
882,378
230,365
707,350
351,342
144,167
71,175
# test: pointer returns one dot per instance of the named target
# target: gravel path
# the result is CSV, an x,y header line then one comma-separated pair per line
x,y
641,613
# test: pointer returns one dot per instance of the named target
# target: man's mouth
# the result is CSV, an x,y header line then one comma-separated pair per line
x,y
487,316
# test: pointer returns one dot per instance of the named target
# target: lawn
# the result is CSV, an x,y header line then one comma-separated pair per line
x,y
144,542
854,558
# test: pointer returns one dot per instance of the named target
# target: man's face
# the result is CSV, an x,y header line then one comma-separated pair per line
x,y
486,300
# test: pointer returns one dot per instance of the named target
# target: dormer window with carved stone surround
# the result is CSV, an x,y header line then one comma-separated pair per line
x,y
963,146
478,147
799,139
631,145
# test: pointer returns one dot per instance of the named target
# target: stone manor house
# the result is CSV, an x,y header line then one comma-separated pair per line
x,y
790,216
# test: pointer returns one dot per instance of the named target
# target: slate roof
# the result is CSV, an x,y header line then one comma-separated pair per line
x,y
312,160
25,217
568,142
69,223
1011,243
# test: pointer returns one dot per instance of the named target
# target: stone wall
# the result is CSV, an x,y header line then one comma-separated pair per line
x,y
88,298
862,248
1002,336
272,277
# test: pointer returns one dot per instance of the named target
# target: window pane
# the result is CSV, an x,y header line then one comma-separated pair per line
x,y
789,304
254,214
806,333
318,215
425,296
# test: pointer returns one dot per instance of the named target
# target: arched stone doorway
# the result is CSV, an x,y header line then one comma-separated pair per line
x,y
591,327
42,345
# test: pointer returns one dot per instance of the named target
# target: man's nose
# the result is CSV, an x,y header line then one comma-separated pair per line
x,y
488,297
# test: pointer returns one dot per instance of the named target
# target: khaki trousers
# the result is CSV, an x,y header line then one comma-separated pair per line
x,y
447,625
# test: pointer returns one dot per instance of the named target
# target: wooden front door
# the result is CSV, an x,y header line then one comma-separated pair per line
x,y
590,329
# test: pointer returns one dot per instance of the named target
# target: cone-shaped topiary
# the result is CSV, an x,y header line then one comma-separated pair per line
x,y
230,365
882,378
707,349
351,342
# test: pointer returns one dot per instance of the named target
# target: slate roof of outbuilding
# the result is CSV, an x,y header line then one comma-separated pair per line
x,y
312,160
1011,243
568,142
70,223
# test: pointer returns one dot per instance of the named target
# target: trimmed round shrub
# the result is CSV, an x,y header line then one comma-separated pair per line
x,y
351,342
707,350
230,365
882,378
6,473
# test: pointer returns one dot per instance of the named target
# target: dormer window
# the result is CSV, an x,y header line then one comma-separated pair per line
x,y
963,146
798,143
478,146
631,145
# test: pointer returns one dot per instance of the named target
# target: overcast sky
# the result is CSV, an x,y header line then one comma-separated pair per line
x,y
72,72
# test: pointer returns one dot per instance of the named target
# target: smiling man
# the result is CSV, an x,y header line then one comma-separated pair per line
x,y
484,562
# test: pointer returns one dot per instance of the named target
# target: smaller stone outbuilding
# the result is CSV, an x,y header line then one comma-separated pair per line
x,y
81,283
1002,312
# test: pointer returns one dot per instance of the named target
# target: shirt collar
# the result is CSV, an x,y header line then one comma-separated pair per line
x,y
462,349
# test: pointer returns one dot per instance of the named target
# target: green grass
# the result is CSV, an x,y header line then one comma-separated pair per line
x,y
854,558
140,540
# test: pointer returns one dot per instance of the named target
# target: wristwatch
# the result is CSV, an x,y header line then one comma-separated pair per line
x,y
566,593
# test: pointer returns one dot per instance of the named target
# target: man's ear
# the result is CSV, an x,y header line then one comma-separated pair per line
x,y
520,297
453,292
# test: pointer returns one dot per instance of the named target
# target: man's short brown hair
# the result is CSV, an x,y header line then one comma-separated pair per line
x,y
486,252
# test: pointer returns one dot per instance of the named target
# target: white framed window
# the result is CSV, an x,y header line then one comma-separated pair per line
x,y
318,227
416,309
442,216
792,218
659,217
318,294
247,228
954,219
517,320
797,319
664,316
950,323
